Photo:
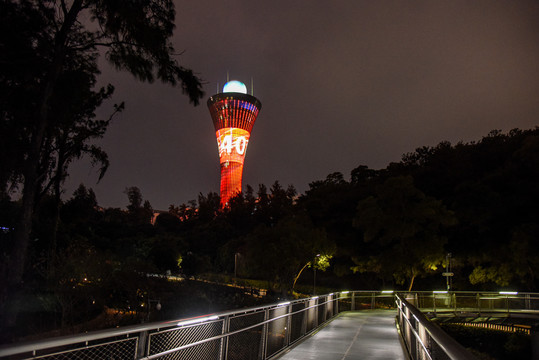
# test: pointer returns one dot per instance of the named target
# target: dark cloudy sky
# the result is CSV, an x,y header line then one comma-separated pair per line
x,y
342,84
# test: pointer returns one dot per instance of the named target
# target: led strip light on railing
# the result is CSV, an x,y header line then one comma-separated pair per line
x,y
197,320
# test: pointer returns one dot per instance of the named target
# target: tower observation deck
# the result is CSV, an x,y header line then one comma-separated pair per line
x,y
233,113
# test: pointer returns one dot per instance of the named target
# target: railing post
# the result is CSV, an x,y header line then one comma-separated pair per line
x,y
224,341
143,347
316,302
265,331
478,304
353,300
324,309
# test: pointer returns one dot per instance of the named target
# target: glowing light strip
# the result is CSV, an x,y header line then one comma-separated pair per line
x,y
284,303
508,293
197,321
387,291
439,292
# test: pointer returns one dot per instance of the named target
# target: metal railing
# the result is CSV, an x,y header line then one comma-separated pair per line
x,y
423,339
253,333
265,332
479,303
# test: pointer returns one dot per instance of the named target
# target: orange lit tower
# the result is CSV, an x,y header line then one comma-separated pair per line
x,y
233,113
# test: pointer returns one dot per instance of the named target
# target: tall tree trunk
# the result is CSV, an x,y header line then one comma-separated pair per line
x,y
297,276
31,169
412,281
56,215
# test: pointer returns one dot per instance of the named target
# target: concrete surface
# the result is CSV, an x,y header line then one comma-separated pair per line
x,y
368,334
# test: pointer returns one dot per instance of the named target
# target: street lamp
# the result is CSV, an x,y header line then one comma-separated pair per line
x,y
236,256
448,274
314,274
157,307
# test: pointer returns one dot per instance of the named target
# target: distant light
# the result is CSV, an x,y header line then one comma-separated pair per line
x,y
508,293
235,87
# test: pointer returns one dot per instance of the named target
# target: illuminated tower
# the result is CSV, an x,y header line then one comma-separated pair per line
x,y
233,113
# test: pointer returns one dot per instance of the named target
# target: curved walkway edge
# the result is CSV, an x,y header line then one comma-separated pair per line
x,y
367,334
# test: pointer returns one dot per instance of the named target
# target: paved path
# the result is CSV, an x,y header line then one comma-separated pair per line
x,y
368,334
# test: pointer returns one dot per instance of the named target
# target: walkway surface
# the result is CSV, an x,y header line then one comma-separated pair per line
x,y
368,334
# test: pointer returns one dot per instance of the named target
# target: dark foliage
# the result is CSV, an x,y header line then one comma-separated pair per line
x,y
476,201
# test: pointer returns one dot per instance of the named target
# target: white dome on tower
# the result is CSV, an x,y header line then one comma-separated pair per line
x,y
235,86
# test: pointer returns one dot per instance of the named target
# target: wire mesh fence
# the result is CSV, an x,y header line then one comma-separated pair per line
x,y
247,334
110,350
248,344
264,332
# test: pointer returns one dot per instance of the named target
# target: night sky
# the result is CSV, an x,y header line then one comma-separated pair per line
x,y
342,84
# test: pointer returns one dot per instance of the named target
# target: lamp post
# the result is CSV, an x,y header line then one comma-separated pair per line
x,y
448,274
236,255
157,307
314,273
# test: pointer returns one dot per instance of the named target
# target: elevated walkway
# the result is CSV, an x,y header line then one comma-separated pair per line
x,y
369,334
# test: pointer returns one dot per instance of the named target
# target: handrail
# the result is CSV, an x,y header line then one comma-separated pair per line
x,y
42,344
293,322
450,346
322,303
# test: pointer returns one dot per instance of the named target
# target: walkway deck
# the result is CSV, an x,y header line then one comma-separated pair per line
x,y
369,334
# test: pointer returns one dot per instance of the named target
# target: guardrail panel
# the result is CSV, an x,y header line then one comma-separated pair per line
x,y
121,349
345,301
162,341
277,330
247,344
364,300
297,324
321,310
330,307
311,317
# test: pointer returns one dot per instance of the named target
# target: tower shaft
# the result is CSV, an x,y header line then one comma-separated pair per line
x,y
233,116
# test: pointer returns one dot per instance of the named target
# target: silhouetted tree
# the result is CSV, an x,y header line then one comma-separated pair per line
x,y
53,38
277,253
406,230
140,212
